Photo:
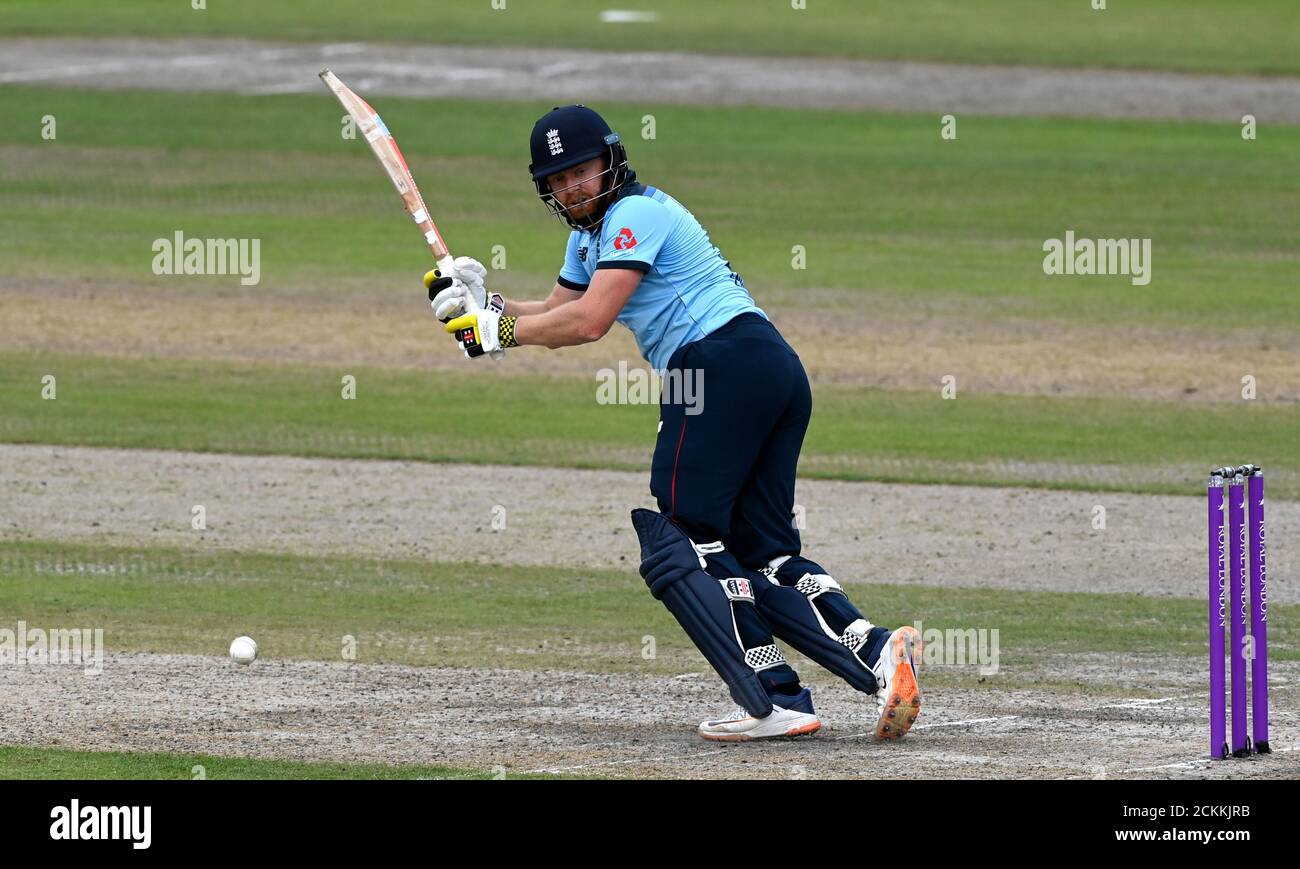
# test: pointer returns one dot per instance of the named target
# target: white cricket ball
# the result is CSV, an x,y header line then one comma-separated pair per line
x,y
243,650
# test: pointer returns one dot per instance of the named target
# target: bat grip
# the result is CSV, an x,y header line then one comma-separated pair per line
x,y
446,265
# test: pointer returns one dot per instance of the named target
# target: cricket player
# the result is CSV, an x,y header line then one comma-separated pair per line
x,y
722,552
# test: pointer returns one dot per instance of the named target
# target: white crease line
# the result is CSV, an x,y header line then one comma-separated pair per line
x,y
1273,715
629,760
1140,703
967,721
962,723
1184,764
1188,764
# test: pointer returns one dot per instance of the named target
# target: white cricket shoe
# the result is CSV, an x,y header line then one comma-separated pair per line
x,y
898,698
794,719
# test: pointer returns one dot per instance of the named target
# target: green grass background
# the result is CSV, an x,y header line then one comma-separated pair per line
x,y
882,205
442,614
856,434
18,763
892,217
1253,36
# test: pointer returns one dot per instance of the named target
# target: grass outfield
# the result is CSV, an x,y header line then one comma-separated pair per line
x,y
1111,444
923,222
418,613
64,763
880,202
1206,35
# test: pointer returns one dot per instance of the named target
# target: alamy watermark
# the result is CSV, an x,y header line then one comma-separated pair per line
x,y
37,647
684,386
130,823
960,647
179,255
1102,256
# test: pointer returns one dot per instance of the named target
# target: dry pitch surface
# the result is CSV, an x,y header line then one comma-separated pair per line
x,y
1133,716
584,724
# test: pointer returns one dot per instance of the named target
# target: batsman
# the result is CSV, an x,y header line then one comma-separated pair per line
x,y
721,552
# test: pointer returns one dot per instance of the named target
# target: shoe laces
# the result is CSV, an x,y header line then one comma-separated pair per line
x,y
739,714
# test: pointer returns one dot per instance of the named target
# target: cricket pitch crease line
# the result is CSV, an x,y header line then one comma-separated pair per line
x,y
1142,703
1199,762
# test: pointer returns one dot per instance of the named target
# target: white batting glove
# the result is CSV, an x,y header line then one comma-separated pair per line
x,y
483,332
470,272
450,297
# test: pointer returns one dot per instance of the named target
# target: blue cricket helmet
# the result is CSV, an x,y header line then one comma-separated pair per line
x,y
567,136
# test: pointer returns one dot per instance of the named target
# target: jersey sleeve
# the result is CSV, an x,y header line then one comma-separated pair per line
x,y
633,234
572,274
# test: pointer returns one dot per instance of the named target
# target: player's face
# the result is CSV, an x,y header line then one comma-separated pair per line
x,y
578,188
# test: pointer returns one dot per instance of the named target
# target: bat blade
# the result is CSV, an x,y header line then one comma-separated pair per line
x,y
384,146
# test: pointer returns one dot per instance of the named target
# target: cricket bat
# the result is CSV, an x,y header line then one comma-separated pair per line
x,y
384,146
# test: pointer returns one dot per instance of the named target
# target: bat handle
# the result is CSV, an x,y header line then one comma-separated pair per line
x,y
446,267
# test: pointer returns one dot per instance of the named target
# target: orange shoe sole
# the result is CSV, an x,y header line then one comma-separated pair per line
x,y
903,704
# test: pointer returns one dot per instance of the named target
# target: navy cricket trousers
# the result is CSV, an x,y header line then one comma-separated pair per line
x,y
728,472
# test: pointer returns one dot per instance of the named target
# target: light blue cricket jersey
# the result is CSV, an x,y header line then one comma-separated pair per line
x,y
688,289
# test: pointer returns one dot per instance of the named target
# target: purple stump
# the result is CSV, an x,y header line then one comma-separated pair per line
x,y
1238,605
1258,614
1218,615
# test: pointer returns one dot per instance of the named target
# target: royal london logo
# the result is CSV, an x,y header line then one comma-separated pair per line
x,y
553,142
1263,571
